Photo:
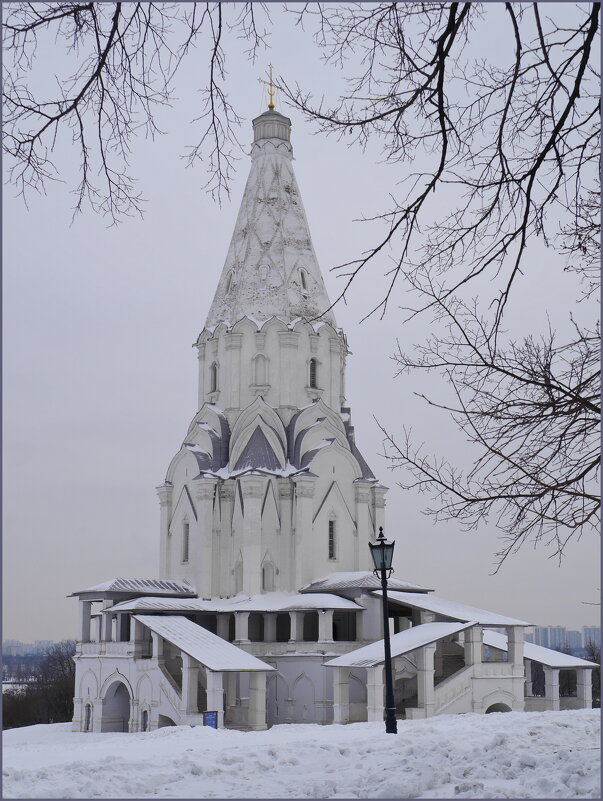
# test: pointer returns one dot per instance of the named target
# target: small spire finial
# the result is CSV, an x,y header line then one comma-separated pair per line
x,y
271,88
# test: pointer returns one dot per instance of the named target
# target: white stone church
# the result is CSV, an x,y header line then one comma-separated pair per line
x,y
266,610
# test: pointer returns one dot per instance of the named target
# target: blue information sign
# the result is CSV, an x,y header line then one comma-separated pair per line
x,y
210,719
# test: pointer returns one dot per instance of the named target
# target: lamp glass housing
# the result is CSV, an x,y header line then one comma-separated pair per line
x,y
382,552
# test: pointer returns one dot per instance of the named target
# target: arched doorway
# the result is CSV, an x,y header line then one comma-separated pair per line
x,y
498,708
116,708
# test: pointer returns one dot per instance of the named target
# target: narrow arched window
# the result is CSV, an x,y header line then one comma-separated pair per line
x,y
185,541
332,539
229,283
144,722
213,377
268,577
261,370
302,275
313,373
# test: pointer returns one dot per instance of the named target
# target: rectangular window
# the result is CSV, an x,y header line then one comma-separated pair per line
x,y
331,539
185,536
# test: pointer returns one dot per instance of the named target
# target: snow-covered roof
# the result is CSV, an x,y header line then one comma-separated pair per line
x,y
146,586
265,602
207,648
458,611
401,643
358,579
546,656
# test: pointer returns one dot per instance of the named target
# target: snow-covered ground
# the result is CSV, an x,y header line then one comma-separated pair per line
x,y
512,755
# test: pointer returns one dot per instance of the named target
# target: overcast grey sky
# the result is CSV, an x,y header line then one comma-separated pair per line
x,y
100,376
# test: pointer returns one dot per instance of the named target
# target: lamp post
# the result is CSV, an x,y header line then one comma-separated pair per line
x,y
382,552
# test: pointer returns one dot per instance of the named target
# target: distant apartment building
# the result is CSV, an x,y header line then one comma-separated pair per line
x,y
559,638
591,634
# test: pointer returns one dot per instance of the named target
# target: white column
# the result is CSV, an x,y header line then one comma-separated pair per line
x,y
341,695
515,647
584,687
425,676
98,628
241,627
165,492
85,607
473,645
252,488
551,686
325,625
286,578
190,678
222,580
379,506
157,647
136,637
233,350
374,693
335,375
201,385
107,625
256,716
288,343
363,532
200,544
215,694
223,625
297,626
304,551
270,627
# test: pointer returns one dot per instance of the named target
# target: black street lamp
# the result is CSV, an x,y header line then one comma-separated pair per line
x,y
382,552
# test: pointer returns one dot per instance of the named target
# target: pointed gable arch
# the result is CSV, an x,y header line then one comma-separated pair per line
x,y
309,415
183,505
329,448
258,415
334,494
270,503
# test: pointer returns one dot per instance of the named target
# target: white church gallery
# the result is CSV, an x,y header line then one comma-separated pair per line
x,y
267,610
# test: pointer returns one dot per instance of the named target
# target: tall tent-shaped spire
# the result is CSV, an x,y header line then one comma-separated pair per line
x,y
271,269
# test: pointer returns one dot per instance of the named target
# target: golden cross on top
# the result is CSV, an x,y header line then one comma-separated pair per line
x,y
271,88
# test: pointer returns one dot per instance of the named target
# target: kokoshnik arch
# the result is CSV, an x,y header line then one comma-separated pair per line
x,y
266,610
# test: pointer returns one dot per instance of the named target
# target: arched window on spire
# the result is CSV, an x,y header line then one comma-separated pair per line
x,y
260,370
229,282
304,281
213,377
314,373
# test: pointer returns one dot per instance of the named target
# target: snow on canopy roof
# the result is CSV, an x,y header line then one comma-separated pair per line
x,y
546,656
401,643
442,606
265,602
358,579
146,586
207,648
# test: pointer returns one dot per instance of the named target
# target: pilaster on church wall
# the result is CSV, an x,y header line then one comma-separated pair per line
x,y
201,543
303,539
252,488
363,526
222,578
165,493
378,492
286,553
